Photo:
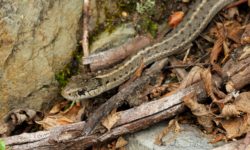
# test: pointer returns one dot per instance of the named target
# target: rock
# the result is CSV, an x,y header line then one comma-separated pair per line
x,y
100,10
108,40
37,38
189,138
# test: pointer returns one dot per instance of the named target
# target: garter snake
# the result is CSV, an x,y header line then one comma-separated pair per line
x,y
197,18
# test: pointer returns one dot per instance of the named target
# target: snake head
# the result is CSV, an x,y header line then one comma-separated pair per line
x,y
80,87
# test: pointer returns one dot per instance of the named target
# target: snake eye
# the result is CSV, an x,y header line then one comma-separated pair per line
x,y
80,92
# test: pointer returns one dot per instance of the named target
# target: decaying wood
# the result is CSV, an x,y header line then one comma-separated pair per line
x,y
159,110
107,58
71,137
239,80
237,73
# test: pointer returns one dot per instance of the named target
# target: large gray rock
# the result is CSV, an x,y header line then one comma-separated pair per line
x,y
37,38
189,138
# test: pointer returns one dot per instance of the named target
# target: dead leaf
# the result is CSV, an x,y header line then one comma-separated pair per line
x,y
202,113
207,79
53,121
110,120
217,48
226,52
235,107
245,39
71,115
229,110
158,91
175,18
245,53
234,31
236,126
5,129
173,124
72,112
193,76
242,102
58,107
217,138
121,142
232,12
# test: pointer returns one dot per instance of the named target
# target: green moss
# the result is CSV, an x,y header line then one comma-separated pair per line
x,y
150,26
61,77
127,5
145,7
70,69
2,145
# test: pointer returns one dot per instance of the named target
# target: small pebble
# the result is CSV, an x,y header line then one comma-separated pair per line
x,y
124,14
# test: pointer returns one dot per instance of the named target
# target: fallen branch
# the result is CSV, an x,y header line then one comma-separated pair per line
x,y
237,73
105,59
159,110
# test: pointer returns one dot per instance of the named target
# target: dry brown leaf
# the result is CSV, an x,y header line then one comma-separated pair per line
x,y
72,112
234,31
62,118
245,39
229,110
226,52
158,91
232,12
193,76
237,126
175,18
57,107
202,113
234,108
121,142
217,48
218,138
5,129
242,102
207,79
246,52
53,121
111,119
173,124
111,146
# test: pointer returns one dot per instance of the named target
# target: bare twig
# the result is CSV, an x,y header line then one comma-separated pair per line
x,y
236,3
105,59
85,42
112,56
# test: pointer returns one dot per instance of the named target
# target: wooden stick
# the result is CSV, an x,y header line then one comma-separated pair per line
x,y
85,42
63,136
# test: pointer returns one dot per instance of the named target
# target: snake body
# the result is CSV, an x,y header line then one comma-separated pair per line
x,y
192,25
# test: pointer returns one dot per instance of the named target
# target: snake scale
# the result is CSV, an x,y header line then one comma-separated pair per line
x,y
196,20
